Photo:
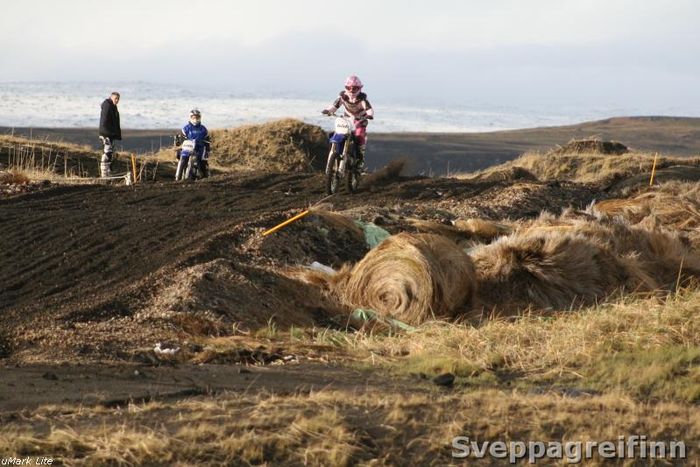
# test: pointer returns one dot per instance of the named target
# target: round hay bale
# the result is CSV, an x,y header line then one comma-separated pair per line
x,y
412,278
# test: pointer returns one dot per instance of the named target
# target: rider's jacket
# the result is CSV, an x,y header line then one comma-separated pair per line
x,y
357,108
198,133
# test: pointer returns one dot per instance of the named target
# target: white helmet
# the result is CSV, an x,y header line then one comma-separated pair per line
x,y
195,116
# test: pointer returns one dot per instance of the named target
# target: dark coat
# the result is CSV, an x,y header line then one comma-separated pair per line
x,y
109,120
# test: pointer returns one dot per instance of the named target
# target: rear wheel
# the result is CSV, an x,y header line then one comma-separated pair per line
x,y
353,180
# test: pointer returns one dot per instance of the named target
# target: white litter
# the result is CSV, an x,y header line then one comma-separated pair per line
x,y
316,266
165,351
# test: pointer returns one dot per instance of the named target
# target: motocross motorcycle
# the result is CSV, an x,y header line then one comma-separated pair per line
x,y
343,158
187,167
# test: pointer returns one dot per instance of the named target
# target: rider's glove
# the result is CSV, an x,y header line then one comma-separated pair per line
x,y
326,112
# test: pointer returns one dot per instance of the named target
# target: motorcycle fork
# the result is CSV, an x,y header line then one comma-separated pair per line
x,y
347,150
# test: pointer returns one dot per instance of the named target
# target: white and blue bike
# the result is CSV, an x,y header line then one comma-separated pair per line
x,y
343,158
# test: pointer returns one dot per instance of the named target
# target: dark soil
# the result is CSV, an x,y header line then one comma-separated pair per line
x,y
91,270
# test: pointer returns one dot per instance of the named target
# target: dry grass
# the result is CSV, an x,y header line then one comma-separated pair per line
x,y
14,177
619,369
674,204
45,145
46,160
586,167
333,427
591,145
643,347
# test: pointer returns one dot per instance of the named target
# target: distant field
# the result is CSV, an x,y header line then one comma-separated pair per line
x,y
440,153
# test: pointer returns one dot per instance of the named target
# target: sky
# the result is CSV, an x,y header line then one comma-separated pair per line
x,y
606,53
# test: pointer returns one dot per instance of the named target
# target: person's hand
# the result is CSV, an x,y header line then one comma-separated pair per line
x,y
326,112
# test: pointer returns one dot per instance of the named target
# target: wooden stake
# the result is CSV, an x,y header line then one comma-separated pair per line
x,y
133,166
653,170
285,223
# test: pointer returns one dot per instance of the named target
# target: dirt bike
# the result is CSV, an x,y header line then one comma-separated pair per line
x,y
187,167
343,158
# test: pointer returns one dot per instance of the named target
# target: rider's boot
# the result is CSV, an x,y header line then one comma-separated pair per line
x,y
361,157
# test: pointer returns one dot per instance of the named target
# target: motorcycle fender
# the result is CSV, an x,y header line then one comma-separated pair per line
x,y
337,138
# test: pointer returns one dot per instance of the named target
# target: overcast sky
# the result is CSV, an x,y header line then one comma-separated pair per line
x,y
603,53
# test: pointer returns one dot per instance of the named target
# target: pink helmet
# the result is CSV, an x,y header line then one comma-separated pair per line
x,y
353,85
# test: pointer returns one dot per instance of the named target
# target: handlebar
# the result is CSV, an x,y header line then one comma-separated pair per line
x,y
360,119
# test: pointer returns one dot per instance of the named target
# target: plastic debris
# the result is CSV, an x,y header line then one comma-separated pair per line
x,y
367,315
374,235
166,349
316,266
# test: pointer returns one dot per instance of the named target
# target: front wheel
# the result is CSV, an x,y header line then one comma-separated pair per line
x,y
181,167
332,175
191,172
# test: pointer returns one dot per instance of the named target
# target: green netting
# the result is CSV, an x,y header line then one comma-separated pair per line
x,y
374,235
367,315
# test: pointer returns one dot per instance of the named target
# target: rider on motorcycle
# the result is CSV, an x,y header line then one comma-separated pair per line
x,y
357,106
197,132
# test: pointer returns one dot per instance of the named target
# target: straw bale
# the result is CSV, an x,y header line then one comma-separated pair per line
x,y
412,278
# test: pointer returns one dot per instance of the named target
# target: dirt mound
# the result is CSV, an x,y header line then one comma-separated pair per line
x,y
208,298
282,145
588,146
323,236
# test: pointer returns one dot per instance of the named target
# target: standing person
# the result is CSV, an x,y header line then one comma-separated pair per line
x,y
110,131
198,133
357,106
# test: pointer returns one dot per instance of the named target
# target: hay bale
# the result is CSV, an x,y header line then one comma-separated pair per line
x,y
655,257
412,278
545,271
282,145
